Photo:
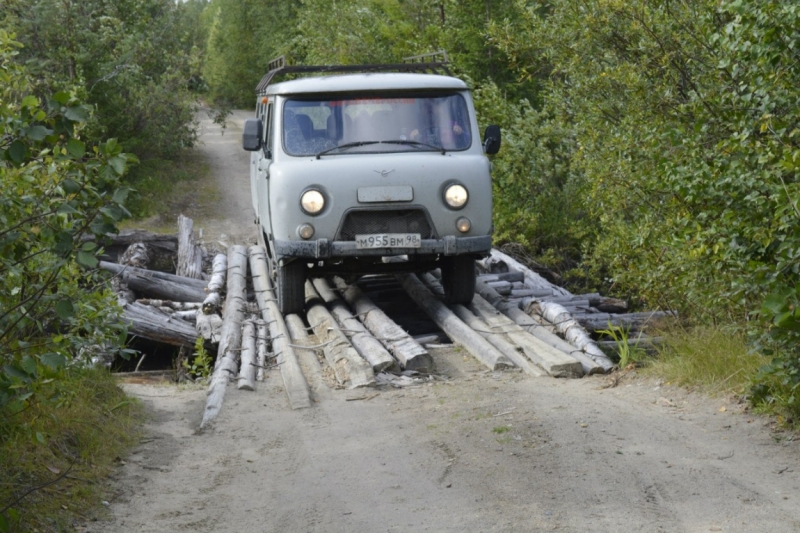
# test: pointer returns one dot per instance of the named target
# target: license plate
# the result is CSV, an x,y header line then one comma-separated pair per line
x,y
389,240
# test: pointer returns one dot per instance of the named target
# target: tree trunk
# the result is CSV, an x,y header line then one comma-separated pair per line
x,y
213,301
190,255
150,323
159,284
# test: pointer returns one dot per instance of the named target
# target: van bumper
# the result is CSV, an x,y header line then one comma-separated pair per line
x,y
324,249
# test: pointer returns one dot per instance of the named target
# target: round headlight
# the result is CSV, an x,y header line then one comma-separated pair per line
x,y
312,202
456,196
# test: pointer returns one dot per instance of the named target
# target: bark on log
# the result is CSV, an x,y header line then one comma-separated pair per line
x,y
496,340
307,356
572,331
213,301
155,325
410,354
136,256
532,279
226,366
190,255
208,326
161,249
158,284
459,332
176,306
350,368
262,348
530,325
365,344
247,369
293,380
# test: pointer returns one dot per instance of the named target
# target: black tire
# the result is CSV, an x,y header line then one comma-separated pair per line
x,y
290,288
458,279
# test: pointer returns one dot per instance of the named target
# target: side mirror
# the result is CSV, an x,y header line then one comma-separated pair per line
x,y
252,134
491,140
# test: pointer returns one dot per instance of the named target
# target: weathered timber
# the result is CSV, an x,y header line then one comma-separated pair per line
x,y
532,279
177,306
213,301
572,331
502,276
262,348
530,325
190,255
497,340
629,321
247,370
187,315
553,360
161,249
208,326
452,325
226,365
502,287
136,256
410,354
150,323
158,284
350,368
293,380
307,357
367,346
537,293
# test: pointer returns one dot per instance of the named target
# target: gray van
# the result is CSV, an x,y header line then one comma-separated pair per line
x,y
376,169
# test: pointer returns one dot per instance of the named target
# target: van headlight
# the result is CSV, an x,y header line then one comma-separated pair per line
x,y
312,201
456,196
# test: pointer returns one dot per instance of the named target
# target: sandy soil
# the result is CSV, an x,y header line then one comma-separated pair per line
x,y
479,451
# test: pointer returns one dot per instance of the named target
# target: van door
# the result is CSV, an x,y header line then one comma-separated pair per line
x,y
261,171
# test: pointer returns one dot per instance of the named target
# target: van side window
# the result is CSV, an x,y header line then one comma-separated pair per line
x,y
268,130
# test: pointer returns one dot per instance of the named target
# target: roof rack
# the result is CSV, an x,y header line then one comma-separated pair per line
x,y
434,63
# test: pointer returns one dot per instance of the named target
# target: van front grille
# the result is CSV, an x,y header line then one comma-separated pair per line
x,y
370,222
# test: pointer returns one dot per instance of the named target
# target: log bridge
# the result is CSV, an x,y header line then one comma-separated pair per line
x,y
516,319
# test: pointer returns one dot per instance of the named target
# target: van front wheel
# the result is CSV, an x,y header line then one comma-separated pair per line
x,y
458,279
291,287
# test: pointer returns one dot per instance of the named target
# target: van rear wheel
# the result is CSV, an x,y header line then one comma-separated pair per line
x,y
291,287
458,279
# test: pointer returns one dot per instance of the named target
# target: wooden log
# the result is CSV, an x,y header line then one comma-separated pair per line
x,y
177,306
410,354
187,315
158,284
161,249
303,347
530,325
262,348
502,287
496,340
459,332
629,322
247,370
532,279
136,256
149,323
554,361
293,380
208,326
350,368
571,330
226,365
502,276
365,344
190,255
213,301
527,293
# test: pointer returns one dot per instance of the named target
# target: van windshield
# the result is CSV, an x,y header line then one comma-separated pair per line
x,y
370,124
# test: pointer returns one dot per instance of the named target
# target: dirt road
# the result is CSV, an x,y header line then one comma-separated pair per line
x,y
479,451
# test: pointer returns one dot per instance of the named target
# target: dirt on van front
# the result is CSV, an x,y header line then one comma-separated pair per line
x,y
473,450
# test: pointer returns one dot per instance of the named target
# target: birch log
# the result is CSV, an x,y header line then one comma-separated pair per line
x,y
213,301
410,354
572,331
365,344
247,370
262,349
190,255
293,380
459,332
307,356
350,368
231,335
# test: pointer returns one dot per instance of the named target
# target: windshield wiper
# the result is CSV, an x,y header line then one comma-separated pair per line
x,y
346,145
416,143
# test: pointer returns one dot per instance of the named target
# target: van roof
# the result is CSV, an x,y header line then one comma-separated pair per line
x,y
365,82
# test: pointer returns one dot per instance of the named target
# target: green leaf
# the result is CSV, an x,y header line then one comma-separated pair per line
x,y
63,244
16,152
86,259
120,195
776,302
70,186
77,113
76,148
38,132
64,309
28,364
4,526
40,437
30,101
61,97
53,361
89,247
66,209
118,163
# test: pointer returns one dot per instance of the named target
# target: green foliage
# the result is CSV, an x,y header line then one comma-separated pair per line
x,y
628,353
201,366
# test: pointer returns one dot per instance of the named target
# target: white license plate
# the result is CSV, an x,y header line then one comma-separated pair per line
x,y
389,240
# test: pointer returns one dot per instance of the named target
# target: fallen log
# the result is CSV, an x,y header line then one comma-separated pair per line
x,y
410,354
293,380
208,326
532,279
459,332
247,369
158,284
365,344
303,347
177,306
226,366
350,369
190,255
502,276
571,330
262,348
213,301
161,249
149,323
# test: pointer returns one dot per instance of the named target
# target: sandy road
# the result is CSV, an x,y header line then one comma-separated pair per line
x,y
480,451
